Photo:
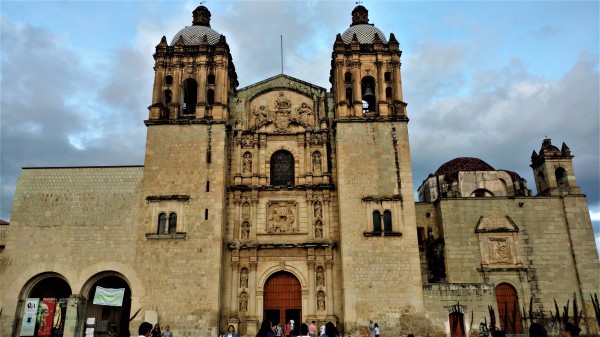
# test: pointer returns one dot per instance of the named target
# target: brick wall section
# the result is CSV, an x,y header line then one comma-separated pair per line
x,y
381,275
183,276
80,219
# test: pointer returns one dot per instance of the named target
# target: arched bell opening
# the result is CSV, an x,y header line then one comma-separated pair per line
x,y
190,96
368,94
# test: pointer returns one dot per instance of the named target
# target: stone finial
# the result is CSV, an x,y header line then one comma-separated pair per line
x,y
360,16
201,16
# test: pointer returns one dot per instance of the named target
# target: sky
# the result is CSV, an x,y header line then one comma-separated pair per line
x,y
485,79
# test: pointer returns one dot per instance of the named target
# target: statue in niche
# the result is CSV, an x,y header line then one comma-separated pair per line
x,y
261,114
245,230
318,210
316,161
243,302
305,113
244,278
318,229
321,301
320,277
282,218
247,166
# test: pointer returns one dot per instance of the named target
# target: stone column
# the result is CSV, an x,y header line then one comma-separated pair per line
x,y
176,98
329,285
397,81
356,88
252,288
72,317
380,82
312,294
235,286
159,77
341,83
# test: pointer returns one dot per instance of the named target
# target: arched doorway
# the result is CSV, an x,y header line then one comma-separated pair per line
x,y
44,306
283,300
108,315
508,309
457,324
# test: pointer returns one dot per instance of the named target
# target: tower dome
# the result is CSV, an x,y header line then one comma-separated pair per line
x,y
200,28
451,168
365,32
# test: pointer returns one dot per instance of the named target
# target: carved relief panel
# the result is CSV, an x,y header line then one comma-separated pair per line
x,y
497,241
282,108
282,217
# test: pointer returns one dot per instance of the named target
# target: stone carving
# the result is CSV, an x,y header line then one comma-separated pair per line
x,y
245,232
316,161
282,112
495,223
247,141
318,229
282,217
321,301
261,114
499,250
320,277
247,167
318,210
305,114
244,278
243,302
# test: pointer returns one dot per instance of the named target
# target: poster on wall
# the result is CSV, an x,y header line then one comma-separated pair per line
x,y
60,313
46,316
29,316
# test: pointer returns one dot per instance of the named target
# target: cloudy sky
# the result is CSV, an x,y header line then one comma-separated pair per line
x,y
486,79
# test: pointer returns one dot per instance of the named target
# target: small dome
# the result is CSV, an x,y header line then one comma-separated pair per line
x,y
193,35
364,32
450,169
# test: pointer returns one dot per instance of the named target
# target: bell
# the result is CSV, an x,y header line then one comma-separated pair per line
x,y
368,92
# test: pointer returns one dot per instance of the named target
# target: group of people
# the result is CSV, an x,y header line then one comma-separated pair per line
x,y
146,330
267,329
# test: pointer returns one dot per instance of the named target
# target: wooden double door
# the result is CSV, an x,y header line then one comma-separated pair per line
x,y
283,300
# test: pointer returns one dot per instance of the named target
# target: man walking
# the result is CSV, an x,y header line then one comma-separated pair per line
x,y
312,329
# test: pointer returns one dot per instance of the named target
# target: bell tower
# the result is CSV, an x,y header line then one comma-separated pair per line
x,y
194,75
365,70
374,177
553,170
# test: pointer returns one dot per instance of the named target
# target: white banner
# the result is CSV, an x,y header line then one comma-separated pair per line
x,y
108,296
29,316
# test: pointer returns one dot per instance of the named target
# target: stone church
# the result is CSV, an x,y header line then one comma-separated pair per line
x,y
287,201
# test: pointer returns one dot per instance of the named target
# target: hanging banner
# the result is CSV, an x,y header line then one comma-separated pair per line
x,y
60,313
108,296
29,316
46,316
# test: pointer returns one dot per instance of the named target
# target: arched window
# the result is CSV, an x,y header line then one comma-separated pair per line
x,y
162,223
482,192
167,97
348,77
172,223
376,222
210,97
190,96
168,80
210,79
368,93
387,221
561,177
282,168
349,95
387,76
388,93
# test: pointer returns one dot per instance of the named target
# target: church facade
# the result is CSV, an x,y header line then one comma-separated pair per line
x,y
285,201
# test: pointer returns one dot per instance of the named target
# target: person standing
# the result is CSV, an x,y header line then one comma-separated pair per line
x,y
312,329
322,329
265,330
167,332
145,330
156,331
230,332
288,329
279,330
376,330
371,329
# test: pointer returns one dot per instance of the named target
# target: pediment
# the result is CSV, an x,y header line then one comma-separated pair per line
x,y
281,111
494,223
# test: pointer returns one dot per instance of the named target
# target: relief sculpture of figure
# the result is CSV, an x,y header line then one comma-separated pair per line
x,y
320,277
321,301
318,229
245,230
318,210
243,302
244,278
247,162
261,114
316,162
305,113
